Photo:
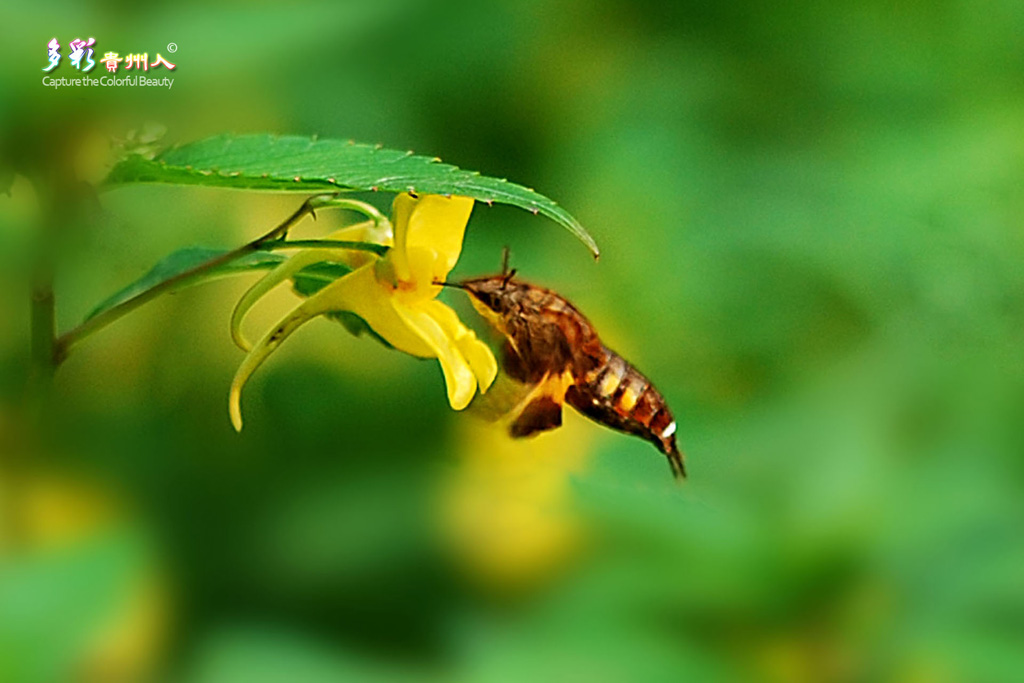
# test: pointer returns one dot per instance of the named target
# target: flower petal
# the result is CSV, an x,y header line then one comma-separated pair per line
x,y
458,376
259,353
401,211
434,222
414,330
268,282
359,292
478,354
373,301
367,231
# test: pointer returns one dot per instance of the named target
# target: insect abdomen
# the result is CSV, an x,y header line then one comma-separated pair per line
x,y
618,395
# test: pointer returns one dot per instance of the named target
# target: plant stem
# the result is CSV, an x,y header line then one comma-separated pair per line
x,y
66,341
42,317
44,327
378,249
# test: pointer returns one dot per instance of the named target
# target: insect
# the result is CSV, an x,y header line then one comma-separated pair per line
x,y
550,344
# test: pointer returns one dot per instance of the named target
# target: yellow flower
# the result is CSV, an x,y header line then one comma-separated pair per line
x,y
395,294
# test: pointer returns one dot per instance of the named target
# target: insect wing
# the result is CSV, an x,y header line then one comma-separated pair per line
x,y
528,409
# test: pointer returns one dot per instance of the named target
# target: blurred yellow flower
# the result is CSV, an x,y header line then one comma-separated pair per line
x,y
395,294
506,511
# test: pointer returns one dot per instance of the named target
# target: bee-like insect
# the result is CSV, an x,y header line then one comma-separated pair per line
x,y
549,343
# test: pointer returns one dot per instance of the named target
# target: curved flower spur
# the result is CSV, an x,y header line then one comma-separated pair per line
x,y
395,294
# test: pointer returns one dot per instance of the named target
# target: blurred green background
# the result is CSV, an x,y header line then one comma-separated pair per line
x,y
811,224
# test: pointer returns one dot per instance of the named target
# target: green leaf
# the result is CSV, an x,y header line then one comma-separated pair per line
x,y
267,162
182,261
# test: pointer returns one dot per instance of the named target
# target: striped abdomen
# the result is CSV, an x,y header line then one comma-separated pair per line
x,y
616,394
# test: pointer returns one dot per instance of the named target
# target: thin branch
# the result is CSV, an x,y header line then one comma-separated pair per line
x,y
44,327
277,245
66,341
42,303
